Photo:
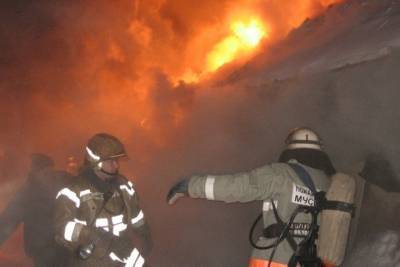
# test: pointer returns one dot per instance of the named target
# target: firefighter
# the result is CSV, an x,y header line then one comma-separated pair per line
x,y
97,216
33,206
281,188
72,165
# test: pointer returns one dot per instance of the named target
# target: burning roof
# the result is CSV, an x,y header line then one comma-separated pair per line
x,y
198,86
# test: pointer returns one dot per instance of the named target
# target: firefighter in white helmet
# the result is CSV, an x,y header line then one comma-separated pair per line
x,y
288,236
97,216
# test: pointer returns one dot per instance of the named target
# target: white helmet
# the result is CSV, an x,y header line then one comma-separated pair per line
x,y
303,137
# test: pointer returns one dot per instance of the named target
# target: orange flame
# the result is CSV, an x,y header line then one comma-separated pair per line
x,y
235,37
244,27
243,38
122,61
182,43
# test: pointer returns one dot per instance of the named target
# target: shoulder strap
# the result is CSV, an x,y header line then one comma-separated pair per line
x,y
320,199
304,176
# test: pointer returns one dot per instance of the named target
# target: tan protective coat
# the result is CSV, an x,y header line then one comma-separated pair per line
x,y
276,182
335,224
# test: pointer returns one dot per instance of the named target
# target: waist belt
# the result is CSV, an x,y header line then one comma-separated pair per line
x,y
264,263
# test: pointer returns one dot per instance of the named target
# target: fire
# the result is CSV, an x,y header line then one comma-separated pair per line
x,y
243,37
250,34
329,2
240,31
132,60
183,45
190,47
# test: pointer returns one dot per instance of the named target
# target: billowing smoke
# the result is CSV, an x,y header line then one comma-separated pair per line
x,y
113,64
68,70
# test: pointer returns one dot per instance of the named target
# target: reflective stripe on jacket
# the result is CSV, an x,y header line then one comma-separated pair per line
x,y
81,212
273,182
264,263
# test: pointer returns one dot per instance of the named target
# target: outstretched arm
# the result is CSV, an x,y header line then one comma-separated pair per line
x,y
256,184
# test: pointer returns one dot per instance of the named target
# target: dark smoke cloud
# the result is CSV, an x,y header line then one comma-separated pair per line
x,y
69,69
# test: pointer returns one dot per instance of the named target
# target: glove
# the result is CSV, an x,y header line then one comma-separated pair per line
x,y
179,190
84,252
97,243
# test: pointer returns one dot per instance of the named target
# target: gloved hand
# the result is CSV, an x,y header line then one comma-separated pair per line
x,y
97,242
178,191
84,252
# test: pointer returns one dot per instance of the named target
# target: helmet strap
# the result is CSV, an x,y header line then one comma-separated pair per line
x,y
99,167
108,173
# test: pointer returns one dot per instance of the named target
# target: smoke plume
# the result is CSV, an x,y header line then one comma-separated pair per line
x,y
138,70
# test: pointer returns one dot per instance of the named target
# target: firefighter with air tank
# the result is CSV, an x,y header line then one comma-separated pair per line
x,y
97,215
306,207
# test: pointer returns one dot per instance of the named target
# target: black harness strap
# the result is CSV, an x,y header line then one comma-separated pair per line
x,y
304,177
323,203
279,221
306,254
339,205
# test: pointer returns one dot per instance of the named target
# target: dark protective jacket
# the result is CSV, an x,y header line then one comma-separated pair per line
x,y
103,213
274,183
33,205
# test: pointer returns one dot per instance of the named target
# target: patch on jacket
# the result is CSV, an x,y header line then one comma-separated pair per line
x,y
92,196
301,195
299,229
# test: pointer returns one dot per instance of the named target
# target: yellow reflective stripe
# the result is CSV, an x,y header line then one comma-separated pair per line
x,y
119,228
84,192
264,263
134,259
101,222
138,218
209,188
92,154
117,219
114,257
69,231
70,195
139,262
80,222
129,189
